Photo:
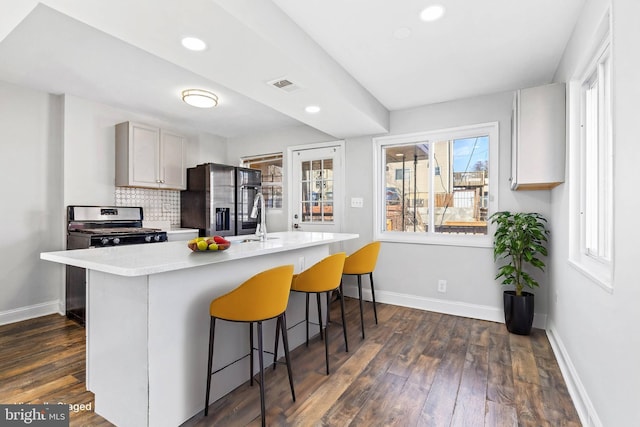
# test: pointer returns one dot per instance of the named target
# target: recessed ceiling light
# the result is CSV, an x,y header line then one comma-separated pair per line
x,y
194,43
312,109
402,33
432,13
200,98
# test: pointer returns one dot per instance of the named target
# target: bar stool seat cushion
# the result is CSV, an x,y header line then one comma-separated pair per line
x,y
255,300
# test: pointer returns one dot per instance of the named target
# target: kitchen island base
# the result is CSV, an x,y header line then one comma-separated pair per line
x,y
147,337
148,320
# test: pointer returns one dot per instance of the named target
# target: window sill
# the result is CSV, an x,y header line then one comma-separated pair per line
x,y
602,280
437,239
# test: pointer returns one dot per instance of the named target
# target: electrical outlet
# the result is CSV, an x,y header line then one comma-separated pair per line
x,y
442,286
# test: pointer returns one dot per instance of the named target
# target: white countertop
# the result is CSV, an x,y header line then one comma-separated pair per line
x,y
141,260
181,230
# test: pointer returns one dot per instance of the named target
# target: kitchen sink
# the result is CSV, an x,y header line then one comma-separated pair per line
x,y
256,239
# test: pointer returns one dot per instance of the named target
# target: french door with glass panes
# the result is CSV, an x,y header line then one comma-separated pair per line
x,y
317,188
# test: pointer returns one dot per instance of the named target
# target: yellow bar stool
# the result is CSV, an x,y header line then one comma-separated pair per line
x,y
361,262
262,297
322,277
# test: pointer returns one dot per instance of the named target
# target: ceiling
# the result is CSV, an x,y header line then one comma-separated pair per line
x,y
356,59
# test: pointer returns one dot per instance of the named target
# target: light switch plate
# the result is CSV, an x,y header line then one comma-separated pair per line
x,y
357,202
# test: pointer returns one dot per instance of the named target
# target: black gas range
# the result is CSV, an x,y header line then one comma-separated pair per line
x,y
95,227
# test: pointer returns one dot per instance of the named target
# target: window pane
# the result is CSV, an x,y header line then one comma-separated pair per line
x,y
273,195
592,221
461,185
327,195
597,156
316,168
591,168
270,166
327,168
305,192
306,211
407,187
327,212
458,178
317,191
306,171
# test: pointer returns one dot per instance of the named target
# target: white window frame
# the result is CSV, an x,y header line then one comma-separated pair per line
x,y
380,233
592,193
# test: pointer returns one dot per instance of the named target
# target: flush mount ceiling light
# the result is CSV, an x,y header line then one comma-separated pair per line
x,y
193,43
312,109
200,98
432,13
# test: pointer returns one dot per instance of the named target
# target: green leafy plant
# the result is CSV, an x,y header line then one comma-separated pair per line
x,y
520,238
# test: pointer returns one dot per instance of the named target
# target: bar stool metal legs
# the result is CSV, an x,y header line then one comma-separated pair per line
x,y
373,297
306,316
326,335
262,297
323,277
212,329
281,326
363,261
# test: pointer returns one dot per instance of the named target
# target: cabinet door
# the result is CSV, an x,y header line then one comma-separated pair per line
x,y
538,138
172,168
144,155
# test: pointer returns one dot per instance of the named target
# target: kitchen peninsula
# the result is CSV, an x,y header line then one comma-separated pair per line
x,y
148,320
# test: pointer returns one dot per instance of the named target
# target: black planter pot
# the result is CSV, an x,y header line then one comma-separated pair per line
x,y
518,312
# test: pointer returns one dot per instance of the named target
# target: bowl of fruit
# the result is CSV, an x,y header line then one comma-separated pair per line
x,y
209,244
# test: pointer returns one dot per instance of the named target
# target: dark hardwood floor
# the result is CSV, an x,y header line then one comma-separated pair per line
x,y
415,368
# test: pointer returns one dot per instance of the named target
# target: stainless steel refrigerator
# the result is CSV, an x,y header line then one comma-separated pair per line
x,y
219,198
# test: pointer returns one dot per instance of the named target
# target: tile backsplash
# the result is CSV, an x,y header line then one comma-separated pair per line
x,y
157,205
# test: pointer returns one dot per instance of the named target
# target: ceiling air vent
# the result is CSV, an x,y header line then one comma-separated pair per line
x,y
284,85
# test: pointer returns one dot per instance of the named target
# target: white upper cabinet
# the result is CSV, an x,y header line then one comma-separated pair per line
x,y
538,137
172,163
149,157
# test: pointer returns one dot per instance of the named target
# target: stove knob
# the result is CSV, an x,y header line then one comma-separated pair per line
x,y
104,241
116,240
147,239
156,237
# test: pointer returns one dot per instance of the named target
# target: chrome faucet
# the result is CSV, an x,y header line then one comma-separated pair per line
x,y
261,229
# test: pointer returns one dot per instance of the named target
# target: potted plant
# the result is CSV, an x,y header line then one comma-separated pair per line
x,y
520,238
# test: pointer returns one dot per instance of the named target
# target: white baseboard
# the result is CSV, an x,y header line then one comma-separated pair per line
x,y
584,407
31,312
455,308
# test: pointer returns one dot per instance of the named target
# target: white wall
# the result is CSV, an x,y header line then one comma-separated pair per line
x,y
408,274
89,141
274,142
595,332
31,208
57,151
